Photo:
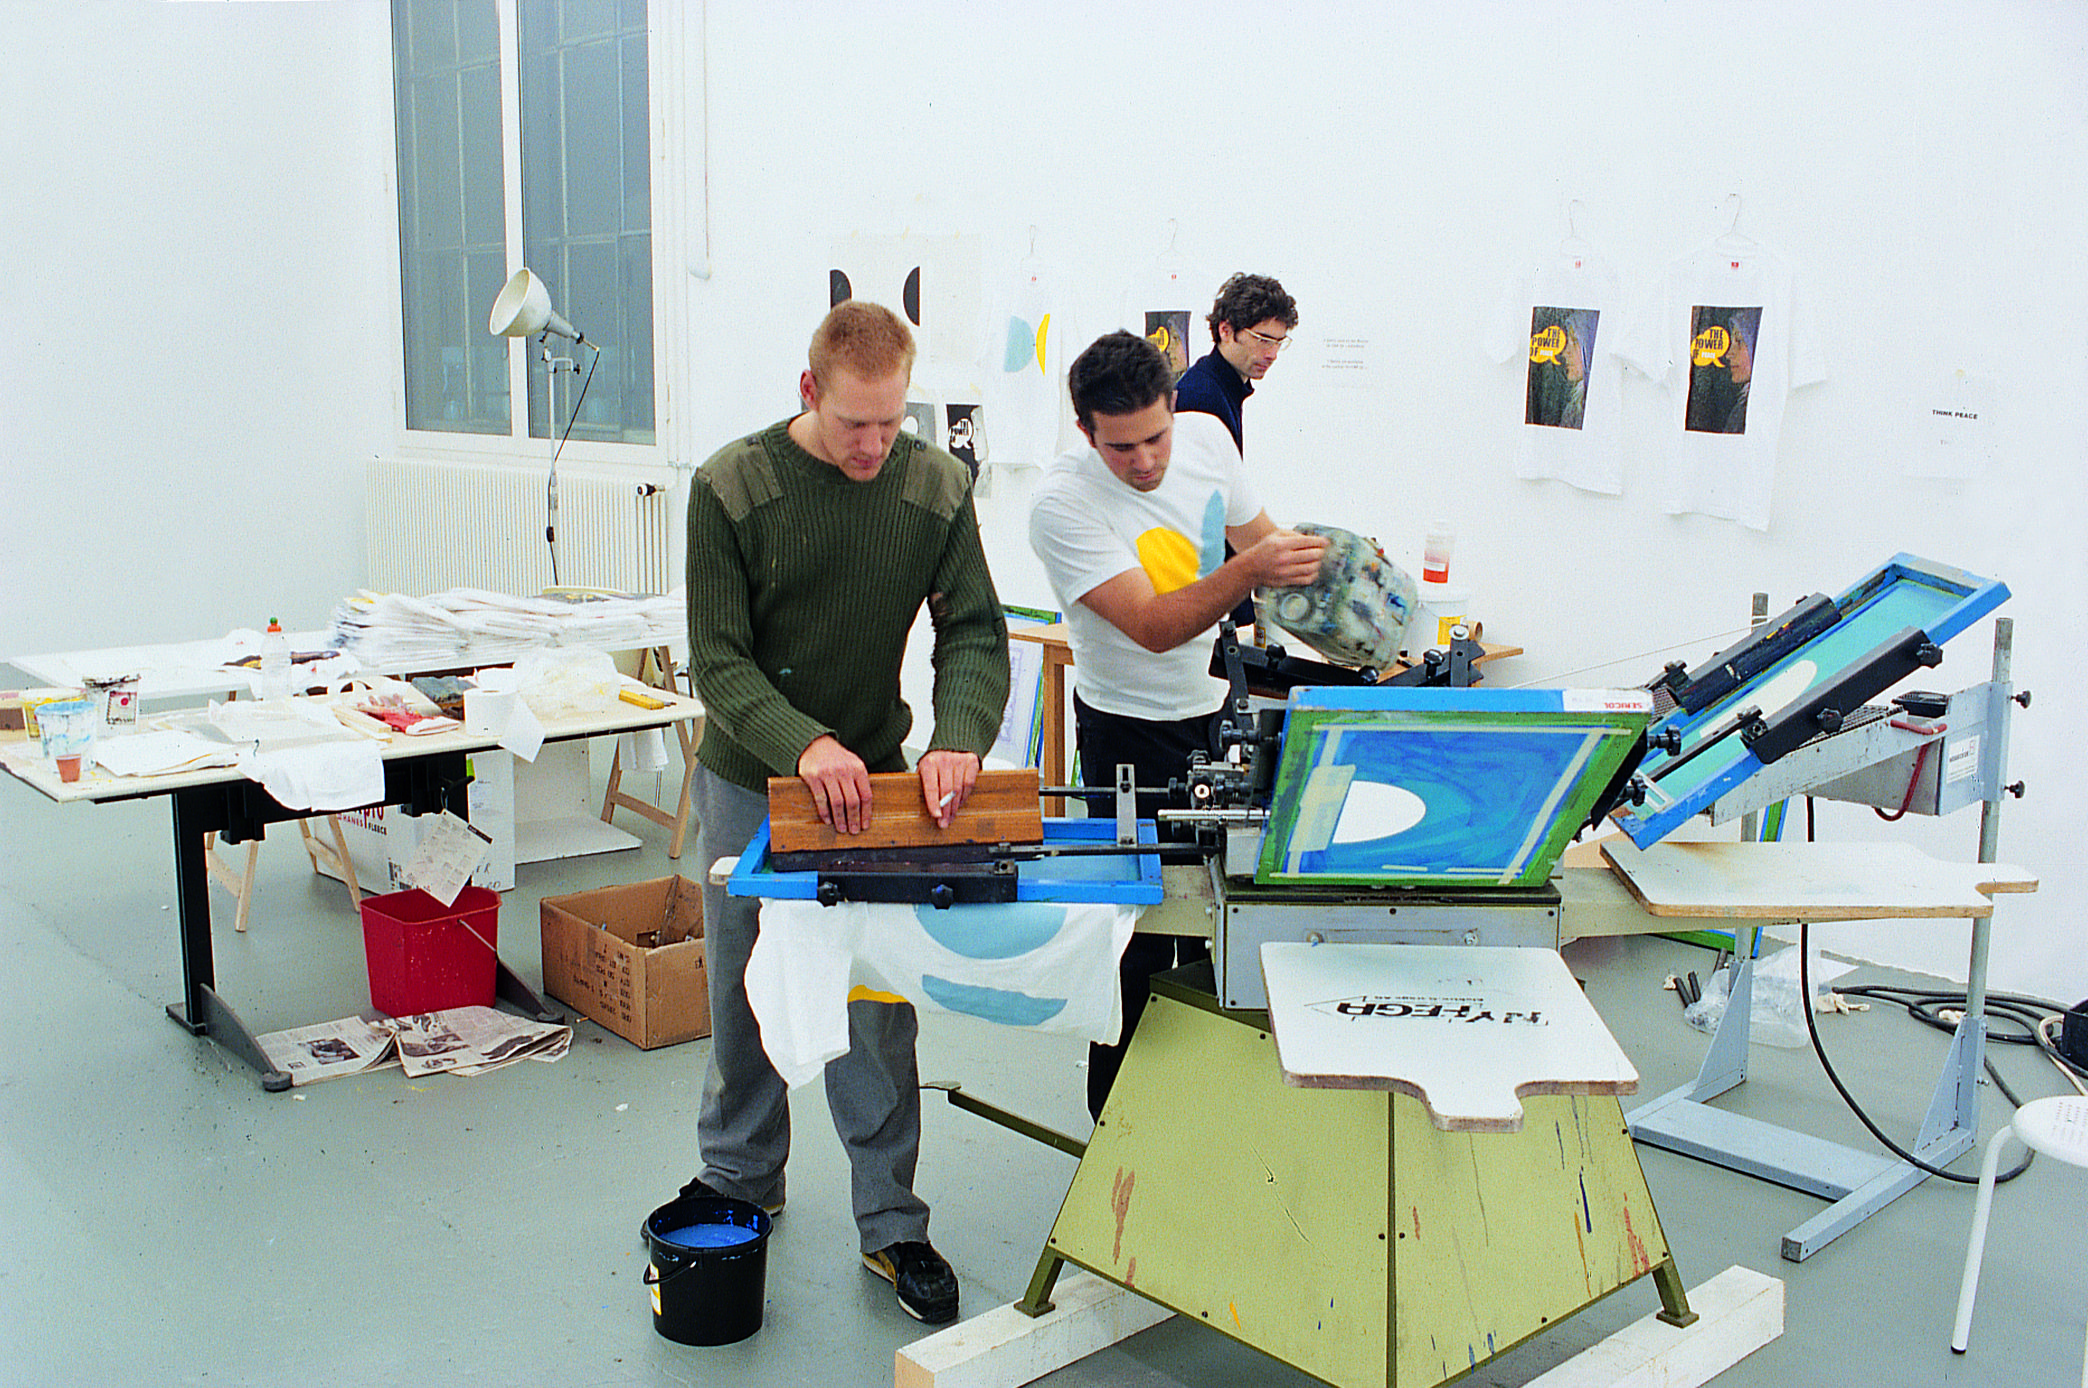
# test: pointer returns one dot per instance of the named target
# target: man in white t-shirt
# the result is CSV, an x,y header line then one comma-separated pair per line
x,y
1132,533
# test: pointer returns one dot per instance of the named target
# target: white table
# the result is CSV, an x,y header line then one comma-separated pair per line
x,y
554,816
424,774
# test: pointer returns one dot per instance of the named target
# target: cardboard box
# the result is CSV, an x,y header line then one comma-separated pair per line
x,y
631,958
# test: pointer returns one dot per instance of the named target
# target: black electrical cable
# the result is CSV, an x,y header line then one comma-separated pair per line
x,y
585,382
1812,1029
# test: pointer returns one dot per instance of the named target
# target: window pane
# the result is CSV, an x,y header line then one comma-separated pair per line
x,y
452,250
585,203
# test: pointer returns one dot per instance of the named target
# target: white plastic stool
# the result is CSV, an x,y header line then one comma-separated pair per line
x,y
2056,1128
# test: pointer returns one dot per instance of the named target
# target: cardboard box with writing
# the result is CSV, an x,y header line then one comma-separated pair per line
x,y
631,958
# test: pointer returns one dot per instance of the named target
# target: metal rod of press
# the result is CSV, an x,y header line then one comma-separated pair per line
x,y
1990,815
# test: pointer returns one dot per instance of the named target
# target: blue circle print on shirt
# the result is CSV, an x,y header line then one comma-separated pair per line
x,y
1002,932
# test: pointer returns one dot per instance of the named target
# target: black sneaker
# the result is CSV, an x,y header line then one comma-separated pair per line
x,y
699,1189
927,1288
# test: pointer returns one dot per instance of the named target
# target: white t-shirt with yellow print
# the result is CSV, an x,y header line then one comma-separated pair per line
x,y
1087,527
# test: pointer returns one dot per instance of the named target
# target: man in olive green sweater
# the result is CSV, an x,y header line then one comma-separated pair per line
x,y
812,547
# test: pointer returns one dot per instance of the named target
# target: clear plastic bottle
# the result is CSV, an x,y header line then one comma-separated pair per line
x,y
274,681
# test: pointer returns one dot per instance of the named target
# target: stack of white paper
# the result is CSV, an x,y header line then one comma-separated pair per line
x,y
470,626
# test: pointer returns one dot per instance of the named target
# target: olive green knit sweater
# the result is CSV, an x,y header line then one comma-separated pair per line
x,y
802,587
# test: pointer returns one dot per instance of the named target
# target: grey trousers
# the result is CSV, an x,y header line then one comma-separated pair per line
x,y
743,1128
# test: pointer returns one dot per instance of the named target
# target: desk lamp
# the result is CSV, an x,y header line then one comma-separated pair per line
x,y
523,309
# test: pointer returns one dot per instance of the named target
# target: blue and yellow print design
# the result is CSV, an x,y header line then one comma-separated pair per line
x,y
1172,560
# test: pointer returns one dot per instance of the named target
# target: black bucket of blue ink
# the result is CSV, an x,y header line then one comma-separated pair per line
x,y
709,1269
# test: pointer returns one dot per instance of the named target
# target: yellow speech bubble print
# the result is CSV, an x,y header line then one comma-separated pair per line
x,y
1708,348
1160,337
1547,343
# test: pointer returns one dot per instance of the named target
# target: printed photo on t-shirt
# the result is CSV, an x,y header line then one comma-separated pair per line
x,y
1721,364
1562,344
1168,329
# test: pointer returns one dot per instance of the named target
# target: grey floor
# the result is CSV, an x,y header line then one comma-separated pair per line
x,y
167,1222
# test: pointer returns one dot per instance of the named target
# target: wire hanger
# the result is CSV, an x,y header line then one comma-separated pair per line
x,y
1171,259
1574,249
1731,241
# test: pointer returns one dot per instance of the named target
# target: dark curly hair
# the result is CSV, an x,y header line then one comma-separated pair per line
x,y
1119,373
1245,300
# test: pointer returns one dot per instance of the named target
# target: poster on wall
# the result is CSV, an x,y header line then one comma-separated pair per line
x,y
1956,435
967,436
920,421
1024,396
932,282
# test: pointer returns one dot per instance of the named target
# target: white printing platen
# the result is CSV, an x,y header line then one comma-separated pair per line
x,y
1463,1028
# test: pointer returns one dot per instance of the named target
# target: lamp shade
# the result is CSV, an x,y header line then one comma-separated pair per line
x,y
523,309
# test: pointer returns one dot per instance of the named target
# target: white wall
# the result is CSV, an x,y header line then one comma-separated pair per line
x,y
192,241
1391,162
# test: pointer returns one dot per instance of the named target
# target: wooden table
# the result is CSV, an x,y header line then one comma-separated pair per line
x,y
425,774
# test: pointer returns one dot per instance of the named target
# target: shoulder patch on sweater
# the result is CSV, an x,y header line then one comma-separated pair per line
x,y
742,476
935,481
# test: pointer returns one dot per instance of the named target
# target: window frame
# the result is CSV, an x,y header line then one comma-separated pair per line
x,y
670,113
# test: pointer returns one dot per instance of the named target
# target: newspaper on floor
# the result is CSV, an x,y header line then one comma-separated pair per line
x,y
460,1041
474,1040
329,1050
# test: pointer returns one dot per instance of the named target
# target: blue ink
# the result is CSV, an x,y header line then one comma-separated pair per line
x,y
708,1236
1212,555
993,1004
1586,1214
1016,927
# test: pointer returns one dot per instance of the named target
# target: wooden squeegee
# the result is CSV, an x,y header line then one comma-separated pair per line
x,y
1002,808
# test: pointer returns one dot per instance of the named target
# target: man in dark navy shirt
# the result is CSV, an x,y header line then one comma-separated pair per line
x,y
1251,322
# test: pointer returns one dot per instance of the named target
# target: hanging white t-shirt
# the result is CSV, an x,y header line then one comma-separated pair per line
x,y
1726,334
1024,394
1561,321
1087,527
1165,303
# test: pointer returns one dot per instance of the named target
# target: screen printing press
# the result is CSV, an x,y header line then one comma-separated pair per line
x,y
1378,1134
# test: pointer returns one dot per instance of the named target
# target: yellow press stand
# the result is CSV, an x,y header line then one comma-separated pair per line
x,y
1337,1229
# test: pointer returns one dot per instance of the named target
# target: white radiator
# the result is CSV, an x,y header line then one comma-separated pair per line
x,y
436,525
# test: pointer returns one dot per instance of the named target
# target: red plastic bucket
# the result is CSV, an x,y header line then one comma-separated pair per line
x,y
425,956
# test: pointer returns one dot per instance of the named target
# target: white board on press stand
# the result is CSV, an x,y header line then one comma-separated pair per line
x,y
1462,1028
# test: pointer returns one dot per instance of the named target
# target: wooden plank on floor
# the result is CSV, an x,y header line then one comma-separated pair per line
x,y
1738,1312
1004,1347
1003,807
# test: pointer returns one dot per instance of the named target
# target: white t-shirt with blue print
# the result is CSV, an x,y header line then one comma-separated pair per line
x,y
1087,527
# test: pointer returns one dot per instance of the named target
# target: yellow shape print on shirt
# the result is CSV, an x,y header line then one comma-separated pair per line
x,y
1168,557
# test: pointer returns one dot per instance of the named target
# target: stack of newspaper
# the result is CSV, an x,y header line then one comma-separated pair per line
x,y
459,1041
461,627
